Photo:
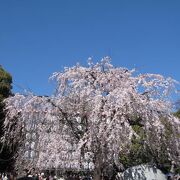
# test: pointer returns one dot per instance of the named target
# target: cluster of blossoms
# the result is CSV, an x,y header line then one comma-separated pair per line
x,y
94,111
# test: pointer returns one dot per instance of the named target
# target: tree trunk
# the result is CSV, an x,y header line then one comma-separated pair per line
x,y
97,174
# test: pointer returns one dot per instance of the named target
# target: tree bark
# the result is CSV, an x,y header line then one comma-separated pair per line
x,y
97,174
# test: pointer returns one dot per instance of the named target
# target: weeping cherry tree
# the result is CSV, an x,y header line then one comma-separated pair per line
x,y
100,116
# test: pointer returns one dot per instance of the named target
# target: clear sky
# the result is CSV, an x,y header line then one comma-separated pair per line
x,y
38,37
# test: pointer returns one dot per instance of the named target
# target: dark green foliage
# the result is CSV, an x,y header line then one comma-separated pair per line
x,y
177,105
6,158
177,114
5,91
140,152
5,84
168,128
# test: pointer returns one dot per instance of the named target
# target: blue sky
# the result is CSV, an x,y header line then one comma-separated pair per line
x,y
38,37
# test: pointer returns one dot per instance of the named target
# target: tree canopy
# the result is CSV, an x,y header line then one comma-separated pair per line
x,y
5,84
5,91
100,116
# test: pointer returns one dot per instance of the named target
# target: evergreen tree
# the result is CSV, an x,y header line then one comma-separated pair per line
x,y
5,91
